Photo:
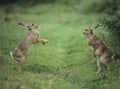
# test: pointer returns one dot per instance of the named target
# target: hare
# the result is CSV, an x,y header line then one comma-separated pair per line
x,y
31,38
99,49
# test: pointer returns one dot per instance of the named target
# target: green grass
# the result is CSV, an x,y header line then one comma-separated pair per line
x,y
66,62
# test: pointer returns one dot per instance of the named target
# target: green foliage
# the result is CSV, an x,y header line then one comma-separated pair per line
x,y
28,2
34,2
112,22
94,6
101,6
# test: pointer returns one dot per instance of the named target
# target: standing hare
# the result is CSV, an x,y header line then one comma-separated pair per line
x,y
30,39
99,49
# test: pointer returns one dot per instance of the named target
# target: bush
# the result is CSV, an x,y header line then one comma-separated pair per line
x,y
112,22
26,2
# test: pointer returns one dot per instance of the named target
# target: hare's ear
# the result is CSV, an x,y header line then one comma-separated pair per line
x,y
36,26
96,26
89,28
22,24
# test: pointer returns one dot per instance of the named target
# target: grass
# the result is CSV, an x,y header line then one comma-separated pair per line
x,y
66,62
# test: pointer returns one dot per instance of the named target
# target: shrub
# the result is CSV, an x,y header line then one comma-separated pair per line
x,y
112,22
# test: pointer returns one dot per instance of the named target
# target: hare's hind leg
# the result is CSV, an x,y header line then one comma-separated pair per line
x,y
99,65
107,65
20,62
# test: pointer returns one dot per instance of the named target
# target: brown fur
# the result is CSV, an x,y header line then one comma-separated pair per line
x,y
98,47
31,38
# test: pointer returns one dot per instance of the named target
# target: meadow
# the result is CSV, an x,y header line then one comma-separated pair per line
x,y
66,62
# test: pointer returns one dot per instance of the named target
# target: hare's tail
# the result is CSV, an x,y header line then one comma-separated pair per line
x,y
113,56
11,54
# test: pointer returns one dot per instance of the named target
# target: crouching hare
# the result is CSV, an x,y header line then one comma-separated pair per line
x,y
99,49
32,37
